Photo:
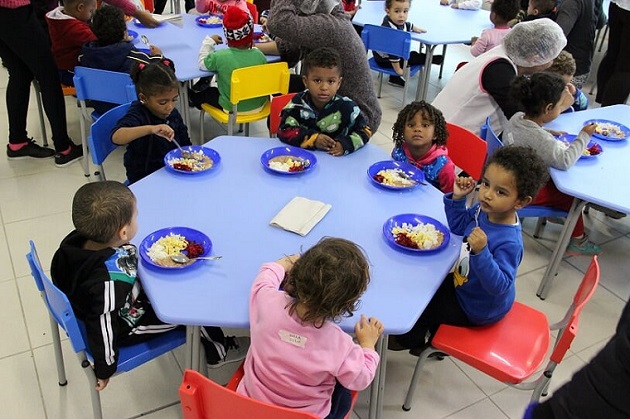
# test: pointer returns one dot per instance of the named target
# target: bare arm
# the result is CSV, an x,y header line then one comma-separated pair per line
x,y
125,135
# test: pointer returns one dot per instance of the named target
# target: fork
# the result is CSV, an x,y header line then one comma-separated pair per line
x,y
405,175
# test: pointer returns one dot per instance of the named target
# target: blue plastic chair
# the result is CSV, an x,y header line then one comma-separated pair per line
x,y
100,85
100,139
493,142
60,309
392,42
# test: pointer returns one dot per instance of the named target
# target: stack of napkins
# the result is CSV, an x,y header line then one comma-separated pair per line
x,y
300,215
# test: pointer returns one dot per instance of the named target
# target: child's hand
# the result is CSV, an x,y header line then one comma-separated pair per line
x,y
153,50
336,150
287,262
127,37
590,128
454,6
324,142
473,40
163,130
572,89
444,2
463,186
418,29
368,331
101,384
217,39
477,240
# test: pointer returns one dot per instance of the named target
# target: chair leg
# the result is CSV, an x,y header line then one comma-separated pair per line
x,y
540,224
83,113
246,130
97,411
380,84
414,379
201,115
61,370
443,59
601,43
40,110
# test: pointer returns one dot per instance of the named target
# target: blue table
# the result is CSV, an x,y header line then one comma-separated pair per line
x,y
181,44
599,180
234,203
444,25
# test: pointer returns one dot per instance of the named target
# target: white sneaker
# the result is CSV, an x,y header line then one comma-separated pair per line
x,y
236,349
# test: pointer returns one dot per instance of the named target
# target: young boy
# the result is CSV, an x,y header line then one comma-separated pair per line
x,y
564,66
396,14
318,118
238,28
69,29
111,51
96,267
481,290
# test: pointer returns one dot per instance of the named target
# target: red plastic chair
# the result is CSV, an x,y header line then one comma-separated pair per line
x,y
202,398
514,348
466,149
277,104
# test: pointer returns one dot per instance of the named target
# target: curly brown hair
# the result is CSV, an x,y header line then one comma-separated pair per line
x,y
563,64
429,112
328,280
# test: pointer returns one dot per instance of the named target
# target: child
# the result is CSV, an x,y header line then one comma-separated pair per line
x,y
501,12
396,14
544,96
318,118
238,28
69,29
420,139
481,289
464,4
96,267
111,51
219,7
537,9
151,123
564,65
299,357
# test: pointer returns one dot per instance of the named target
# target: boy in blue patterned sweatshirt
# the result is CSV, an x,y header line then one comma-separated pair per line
x,y
318,118
481,289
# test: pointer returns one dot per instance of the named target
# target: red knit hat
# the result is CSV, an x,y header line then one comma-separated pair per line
x,y
238,27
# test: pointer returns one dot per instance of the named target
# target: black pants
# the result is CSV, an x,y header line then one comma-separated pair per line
x,y
415,58
341,402
442,309
613,75
25,52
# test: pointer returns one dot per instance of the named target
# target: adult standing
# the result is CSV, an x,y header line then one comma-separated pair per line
x,y
480,88
578,20
613,76
302,26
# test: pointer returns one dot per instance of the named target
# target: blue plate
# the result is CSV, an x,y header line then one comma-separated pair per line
x,y
132,34
295,152
176,154
413,172
569,139
200,21
188,233
624,129
414,219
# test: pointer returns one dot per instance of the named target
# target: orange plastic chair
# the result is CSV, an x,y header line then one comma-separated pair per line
x,y
277,104
202,398
466,149
514,348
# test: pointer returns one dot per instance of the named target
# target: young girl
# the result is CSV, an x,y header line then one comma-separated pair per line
x,y
544,96
481,289
420,139
501,12
151,123
299,357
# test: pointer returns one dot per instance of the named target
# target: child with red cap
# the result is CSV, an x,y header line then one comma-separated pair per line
x,y
238,28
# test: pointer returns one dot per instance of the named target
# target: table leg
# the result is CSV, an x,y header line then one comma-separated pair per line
x,y
183,97
377,388
193,344
561,247
423,82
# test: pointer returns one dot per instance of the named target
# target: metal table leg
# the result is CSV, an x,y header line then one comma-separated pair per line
x,y
423,82
377,389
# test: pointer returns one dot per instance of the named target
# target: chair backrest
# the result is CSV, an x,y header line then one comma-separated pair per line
x,y
277,104
467,151
387,40
100,140
103,85
57,303
584,293
202,398
259,80
493,142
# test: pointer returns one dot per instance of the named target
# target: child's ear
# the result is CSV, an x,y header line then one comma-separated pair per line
x,y
535,12
123,233
521,203
549,107
304,80
141,97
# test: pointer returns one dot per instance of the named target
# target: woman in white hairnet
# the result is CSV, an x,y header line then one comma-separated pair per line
x,y
480,88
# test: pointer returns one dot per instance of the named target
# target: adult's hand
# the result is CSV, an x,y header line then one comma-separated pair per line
x,y
146,19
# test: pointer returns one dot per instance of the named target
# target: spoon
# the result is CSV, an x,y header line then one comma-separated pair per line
x,y
185,153
182,258
145,40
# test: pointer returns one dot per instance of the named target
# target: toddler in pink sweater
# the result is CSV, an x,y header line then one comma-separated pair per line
x,y
501,12
299,357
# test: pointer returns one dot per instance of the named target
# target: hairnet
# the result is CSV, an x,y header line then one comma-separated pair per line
x,y
534,43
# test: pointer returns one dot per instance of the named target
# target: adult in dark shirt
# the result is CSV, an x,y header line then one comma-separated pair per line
x,y
613,76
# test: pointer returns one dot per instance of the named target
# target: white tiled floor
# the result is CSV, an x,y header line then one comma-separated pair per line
x,y
35,204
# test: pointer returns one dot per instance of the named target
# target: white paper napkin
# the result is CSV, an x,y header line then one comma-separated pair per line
x,y
300,215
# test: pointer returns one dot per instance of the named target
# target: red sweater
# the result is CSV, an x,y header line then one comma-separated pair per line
x,y
67,36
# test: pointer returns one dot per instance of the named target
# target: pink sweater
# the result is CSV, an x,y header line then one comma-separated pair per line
x,y
292,364
489,39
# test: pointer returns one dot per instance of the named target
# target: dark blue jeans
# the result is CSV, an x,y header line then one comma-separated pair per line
x,y
341,402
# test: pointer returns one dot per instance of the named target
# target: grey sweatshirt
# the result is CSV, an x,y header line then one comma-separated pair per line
x,y
298,33
523,132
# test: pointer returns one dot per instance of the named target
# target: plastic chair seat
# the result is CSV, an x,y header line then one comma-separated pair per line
x,y
466,150
224,117
510,350
413,70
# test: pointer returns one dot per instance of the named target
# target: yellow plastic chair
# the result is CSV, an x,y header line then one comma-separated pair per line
x,y
249,83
